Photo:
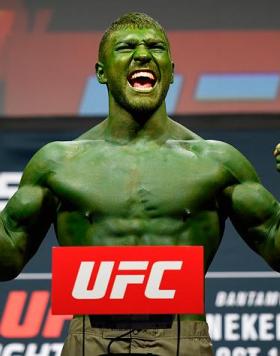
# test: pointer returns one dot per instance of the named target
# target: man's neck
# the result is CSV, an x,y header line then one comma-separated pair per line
x,y
124,127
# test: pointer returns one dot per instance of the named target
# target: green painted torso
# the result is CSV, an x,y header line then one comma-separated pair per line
x,y
139,194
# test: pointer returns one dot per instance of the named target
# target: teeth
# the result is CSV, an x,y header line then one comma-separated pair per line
x,y
143,74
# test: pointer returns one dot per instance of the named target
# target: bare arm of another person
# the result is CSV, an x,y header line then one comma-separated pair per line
x,y
27,216
253,210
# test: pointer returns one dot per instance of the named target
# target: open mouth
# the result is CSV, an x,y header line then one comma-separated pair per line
x,y
142,80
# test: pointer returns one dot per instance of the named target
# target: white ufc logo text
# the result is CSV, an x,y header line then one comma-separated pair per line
x,y
121,281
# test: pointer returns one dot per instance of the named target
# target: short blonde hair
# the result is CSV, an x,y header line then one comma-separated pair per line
x,y
130,20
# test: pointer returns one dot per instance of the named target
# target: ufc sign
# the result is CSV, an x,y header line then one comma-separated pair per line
x,y
128,280
103,276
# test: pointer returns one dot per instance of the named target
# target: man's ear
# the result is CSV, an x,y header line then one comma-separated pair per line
x,y
172,77
99,68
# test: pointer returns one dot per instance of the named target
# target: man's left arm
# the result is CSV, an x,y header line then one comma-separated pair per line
x,y
253,210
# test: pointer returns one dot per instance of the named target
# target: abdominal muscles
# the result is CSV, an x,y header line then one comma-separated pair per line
x,y
203,229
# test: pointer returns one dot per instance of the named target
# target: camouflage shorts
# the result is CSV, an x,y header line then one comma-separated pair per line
x,y
194,340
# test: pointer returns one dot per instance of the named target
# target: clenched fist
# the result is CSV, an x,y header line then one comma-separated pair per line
x,y
276,154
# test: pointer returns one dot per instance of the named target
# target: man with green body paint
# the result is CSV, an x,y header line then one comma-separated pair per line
x,y
138,178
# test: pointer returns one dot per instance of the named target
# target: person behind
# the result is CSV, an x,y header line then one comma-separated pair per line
x,y
138,178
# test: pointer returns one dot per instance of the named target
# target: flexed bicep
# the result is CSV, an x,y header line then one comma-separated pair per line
x,y
255,213
253,210
24,223
26,219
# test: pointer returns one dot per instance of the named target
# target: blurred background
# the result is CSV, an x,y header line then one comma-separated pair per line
x,y
227,78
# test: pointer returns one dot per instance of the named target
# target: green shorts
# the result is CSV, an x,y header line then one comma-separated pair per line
x,y
194,340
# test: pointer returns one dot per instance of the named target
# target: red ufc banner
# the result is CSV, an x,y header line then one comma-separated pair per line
x,y
128,280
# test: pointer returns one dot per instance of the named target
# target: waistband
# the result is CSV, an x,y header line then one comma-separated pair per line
x,y
188,329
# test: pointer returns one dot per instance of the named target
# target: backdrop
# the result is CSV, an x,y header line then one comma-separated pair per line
x,y
226,55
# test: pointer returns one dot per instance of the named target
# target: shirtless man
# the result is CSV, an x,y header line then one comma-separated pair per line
x,y
138,178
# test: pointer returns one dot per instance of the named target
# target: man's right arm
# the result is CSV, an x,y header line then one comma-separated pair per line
x,y
26,218
253,210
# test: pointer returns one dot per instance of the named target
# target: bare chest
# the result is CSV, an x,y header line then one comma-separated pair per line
x,y
137,182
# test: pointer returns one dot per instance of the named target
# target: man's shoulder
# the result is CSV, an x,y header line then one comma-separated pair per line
x,y
220,149
231,159
47,160
223,154
56,150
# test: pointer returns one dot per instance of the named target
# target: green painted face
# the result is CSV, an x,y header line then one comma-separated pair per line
x,y
137,68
